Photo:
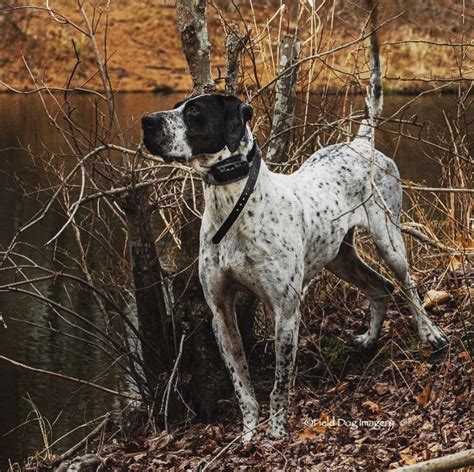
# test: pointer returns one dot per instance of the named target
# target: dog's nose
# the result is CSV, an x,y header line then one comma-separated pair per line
x,y
151,122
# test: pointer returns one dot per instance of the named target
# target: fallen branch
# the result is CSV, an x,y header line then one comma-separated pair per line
x,y
70,379
438,189
86,463
446,463
432,242
70,452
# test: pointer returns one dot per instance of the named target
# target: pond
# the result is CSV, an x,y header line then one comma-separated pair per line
x,y
32,336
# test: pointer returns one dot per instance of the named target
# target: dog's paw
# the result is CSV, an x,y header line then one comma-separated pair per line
x,y
365,341
248,435
277,430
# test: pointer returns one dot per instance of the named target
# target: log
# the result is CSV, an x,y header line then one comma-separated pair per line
x,y
446,463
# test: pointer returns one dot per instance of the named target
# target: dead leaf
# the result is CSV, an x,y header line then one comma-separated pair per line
x,y
454,263
320,448
210,446
423,398
426,350
426,454
341,388
372,406
138,457
381,388
325,416
215,433
436,298
464,356
159,442
307,434
462,398
408,459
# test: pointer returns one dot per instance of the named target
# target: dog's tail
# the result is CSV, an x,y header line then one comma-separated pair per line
x,y
374,99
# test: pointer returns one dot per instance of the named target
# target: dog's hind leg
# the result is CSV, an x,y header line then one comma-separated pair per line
x,y
228,338
389,241
348,266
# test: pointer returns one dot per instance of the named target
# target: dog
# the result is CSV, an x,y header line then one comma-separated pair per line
x,y
272,234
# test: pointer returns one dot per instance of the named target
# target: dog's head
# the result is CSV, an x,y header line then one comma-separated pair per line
x,y
200,125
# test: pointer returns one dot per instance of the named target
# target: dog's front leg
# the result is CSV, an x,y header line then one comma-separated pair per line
x,y
286,341
230,344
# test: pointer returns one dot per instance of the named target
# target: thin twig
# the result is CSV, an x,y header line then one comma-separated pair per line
x,y
70,379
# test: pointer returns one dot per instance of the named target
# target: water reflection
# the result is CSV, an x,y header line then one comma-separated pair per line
x,y
64,405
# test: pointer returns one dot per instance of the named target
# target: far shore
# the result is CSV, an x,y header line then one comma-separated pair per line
x,y
410,91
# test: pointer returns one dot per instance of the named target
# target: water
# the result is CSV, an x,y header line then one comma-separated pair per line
x,y
63,405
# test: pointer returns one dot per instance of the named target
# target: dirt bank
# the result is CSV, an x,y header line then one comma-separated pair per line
x,y
145,54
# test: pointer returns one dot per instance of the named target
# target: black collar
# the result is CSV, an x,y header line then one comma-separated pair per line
x,y
231,170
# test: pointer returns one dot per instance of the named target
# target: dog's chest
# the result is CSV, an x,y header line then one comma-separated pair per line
x,y
285,228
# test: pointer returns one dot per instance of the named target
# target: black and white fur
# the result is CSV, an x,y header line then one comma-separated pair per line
x,y
292,227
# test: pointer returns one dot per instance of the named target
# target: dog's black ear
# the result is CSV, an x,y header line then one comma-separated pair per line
x,y
177,105
236,115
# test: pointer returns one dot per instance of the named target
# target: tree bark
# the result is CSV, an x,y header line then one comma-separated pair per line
x,y
192,26
151,300
283,112
235,43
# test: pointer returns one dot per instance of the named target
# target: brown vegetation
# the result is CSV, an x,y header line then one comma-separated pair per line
x,y
145,52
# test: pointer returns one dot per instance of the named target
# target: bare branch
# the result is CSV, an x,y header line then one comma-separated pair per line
x,y
70,379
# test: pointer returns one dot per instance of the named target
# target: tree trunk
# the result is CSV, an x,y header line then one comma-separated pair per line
x,y
151,300
191,19
283,112
235,43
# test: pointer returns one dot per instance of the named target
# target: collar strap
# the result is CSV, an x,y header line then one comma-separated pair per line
x,y
256,156
232,169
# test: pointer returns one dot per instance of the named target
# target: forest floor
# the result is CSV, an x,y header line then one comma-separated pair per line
x,y
144,50
350,410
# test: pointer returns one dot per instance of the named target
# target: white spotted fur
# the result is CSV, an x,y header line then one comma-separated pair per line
x,y
292,227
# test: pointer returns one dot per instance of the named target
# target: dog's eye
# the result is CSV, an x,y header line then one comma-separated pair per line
x,y
193,111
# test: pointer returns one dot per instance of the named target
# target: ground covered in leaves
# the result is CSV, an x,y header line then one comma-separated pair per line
x,y
350,410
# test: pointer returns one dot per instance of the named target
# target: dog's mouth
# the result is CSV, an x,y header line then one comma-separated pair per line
x,y
160,150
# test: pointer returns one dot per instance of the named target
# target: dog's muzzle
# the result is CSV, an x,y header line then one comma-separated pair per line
x,y
154,137
152,126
